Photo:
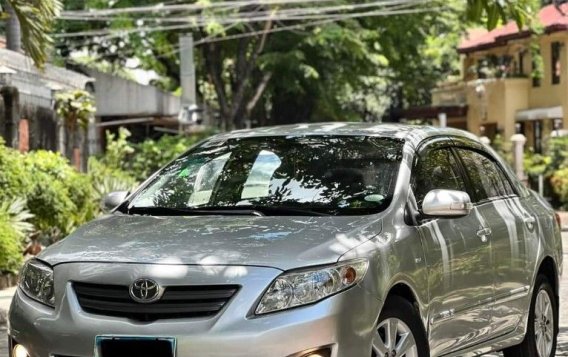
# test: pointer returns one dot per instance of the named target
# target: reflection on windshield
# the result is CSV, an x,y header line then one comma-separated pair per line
x,y
326,174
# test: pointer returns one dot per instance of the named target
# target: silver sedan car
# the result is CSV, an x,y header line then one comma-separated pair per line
x,y
316,240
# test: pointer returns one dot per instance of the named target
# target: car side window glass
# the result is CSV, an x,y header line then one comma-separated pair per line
x,y
487,179
438,169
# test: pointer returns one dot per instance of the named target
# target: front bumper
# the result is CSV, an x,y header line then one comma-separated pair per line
x,y
345,321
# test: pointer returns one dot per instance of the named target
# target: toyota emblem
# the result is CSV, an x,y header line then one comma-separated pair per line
x,y
145,291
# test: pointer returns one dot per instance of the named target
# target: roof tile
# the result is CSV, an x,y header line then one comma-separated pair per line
x,y
550,17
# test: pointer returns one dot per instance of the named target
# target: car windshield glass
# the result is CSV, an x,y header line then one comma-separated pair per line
x,y
338,175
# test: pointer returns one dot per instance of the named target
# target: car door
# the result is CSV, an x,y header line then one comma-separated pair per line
x,y
512,231
458,258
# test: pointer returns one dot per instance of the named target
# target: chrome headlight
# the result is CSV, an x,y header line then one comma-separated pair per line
x,y
305,287
36,281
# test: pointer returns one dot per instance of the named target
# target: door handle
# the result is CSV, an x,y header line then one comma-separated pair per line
x,y
529,222
484,234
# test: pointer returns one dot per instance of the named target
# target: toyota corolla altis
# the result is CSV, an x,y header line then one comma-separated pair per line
x,y
319,240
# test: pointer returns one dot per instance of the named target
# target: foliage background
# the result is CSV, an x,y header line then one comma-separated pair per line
x,y
42,197
349,70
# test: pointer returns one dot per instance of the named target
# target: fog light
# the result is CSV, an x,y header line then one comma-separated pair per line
x,y
20,351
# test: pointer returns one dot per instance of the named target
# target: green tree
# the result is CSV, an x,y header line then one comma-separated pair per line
x,y
345,67
75,108
36,18
494,12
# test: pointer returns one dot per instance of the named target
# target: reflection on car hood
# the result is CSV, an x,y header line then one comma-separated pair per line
x,y
279,242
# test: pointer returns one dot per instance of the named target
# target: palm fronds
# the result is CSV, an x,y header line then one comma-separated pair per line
x,y
18,216
36,20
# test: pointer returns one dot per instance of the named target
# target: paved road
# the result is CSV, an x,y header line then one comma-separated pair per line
x,y
3,342
562,341
5,297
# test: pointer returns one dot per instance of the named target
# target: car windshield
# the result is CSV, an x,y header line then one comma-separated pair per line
x,y
335,175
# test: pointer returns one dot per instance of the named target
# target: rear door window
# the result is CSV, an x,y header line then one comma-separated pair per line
x,y
488,181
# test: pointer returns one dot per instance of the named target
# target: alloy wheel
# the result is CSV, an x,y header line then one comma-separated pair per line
x,y
543,324
394,339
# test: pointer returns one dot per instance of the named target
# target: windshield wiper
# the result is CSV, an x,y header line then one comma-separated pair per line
x,y
246,210
284,211
169,211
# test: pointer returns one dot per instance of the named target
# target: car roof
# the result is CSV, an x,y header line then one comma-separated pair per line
x,y
409,133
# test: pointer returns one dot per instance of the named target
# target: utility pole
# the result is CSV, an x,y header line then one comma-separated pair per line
x,y
443,120
187,79
189,110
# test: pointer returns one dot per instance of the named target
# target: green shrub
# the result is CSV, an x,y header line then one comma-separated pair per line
x,y
143,159
14,227
108,172
18,216
55,198
151,155
537,164
557,150
503,148
118,149
553,165
14,178
559,182
10,248
106,179
61,198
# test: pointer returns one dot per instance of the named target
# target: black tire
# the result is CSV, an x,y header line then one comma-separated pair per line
x,y
401,309
528,348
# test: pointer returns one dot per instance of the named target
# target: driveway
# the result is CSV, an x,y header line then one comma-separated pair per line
x,y
562,341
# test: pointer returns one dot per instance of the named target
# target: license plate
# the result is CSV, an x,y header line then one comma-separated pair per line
x,y
121,346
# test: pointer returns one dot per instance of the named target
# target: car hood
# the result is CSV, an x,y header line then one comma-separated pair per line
x,y
279,242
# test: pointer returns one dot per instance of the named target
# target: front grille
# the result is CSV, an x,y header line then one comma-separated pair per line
x,y
177,301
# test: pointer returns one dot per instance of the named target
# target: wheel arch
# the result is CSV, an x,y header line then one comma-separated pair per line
x,y
549,269
404,290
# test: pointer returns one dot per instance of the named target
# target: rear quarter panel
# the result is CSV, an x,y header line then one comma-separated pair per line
x,y
549,230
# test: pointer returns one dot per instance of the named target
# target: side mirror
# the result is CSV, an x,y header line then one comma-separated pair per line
x,y
113,199
446,203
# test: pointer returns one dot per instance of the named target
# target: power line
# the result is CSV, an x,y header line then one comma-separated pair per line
x,y
184,7
194,22
212,39
316,23
395,10
284,11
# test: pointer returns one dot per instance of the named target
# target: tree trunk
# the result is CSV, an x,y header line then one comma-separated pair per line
x,y
78,147
214,67
61,137
234,106
258,93
243,76
13,31
71,144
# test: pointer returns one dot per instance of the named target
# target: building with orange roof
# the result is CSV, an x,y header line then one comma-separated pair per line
x,y
512,81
